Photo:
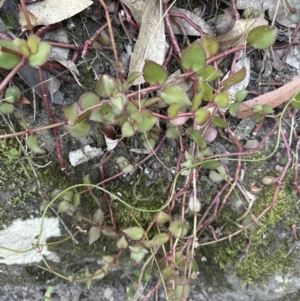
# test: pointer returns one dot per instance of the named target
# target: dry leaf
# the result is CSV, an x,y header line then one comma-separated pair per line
x,y
151,43
273,99
52,11
137,9
238,35
225,22
110,137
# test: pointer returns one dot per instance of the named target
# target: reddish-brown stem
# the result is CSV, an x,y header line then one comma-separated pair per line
x,y
35,130
233,62
26,15
112,39
128,17
159,145
225,53
106,197
52,121
169,56
235,11
187,19
91,39
171,33
296,166
46,28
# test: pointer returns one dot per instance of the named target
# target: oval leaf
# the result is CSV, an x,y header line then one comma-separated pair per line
x,y
154,74
202,116
194,57
160,239
33,145
7,60
41,56
106,86
178,229
210,45
79,130
219,122
235,78
174,94
134,233
262,37
94,234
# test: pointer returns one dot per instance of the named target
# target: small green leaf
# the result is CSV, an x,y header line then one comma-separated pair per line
x,y
12,94
235,78
202,116
33,43
172,132
209,73
94,234
167,273
193,58
127,129
160,239
63,207
134,233
107,86
206,89
211,164
173,110
108,232
88,100
258,117
98,217
133,76
33,145
296,101
154,74
196,136
262,37
149,144
257,108
71,113
137,253
197,100
233,108
210,45
163,217
219,122
118,103
148,121
122,243
178,229
99,274
41,56
241,95
174,94
182,292
222,100
267,109
79,130
7,60
6,108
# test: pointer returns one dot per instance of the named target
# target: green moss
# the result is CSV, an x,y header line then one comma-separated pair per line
x,y
255,255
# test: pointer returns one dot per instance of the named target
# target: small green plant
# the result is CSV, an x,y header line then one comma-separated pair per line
x,y
166,247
